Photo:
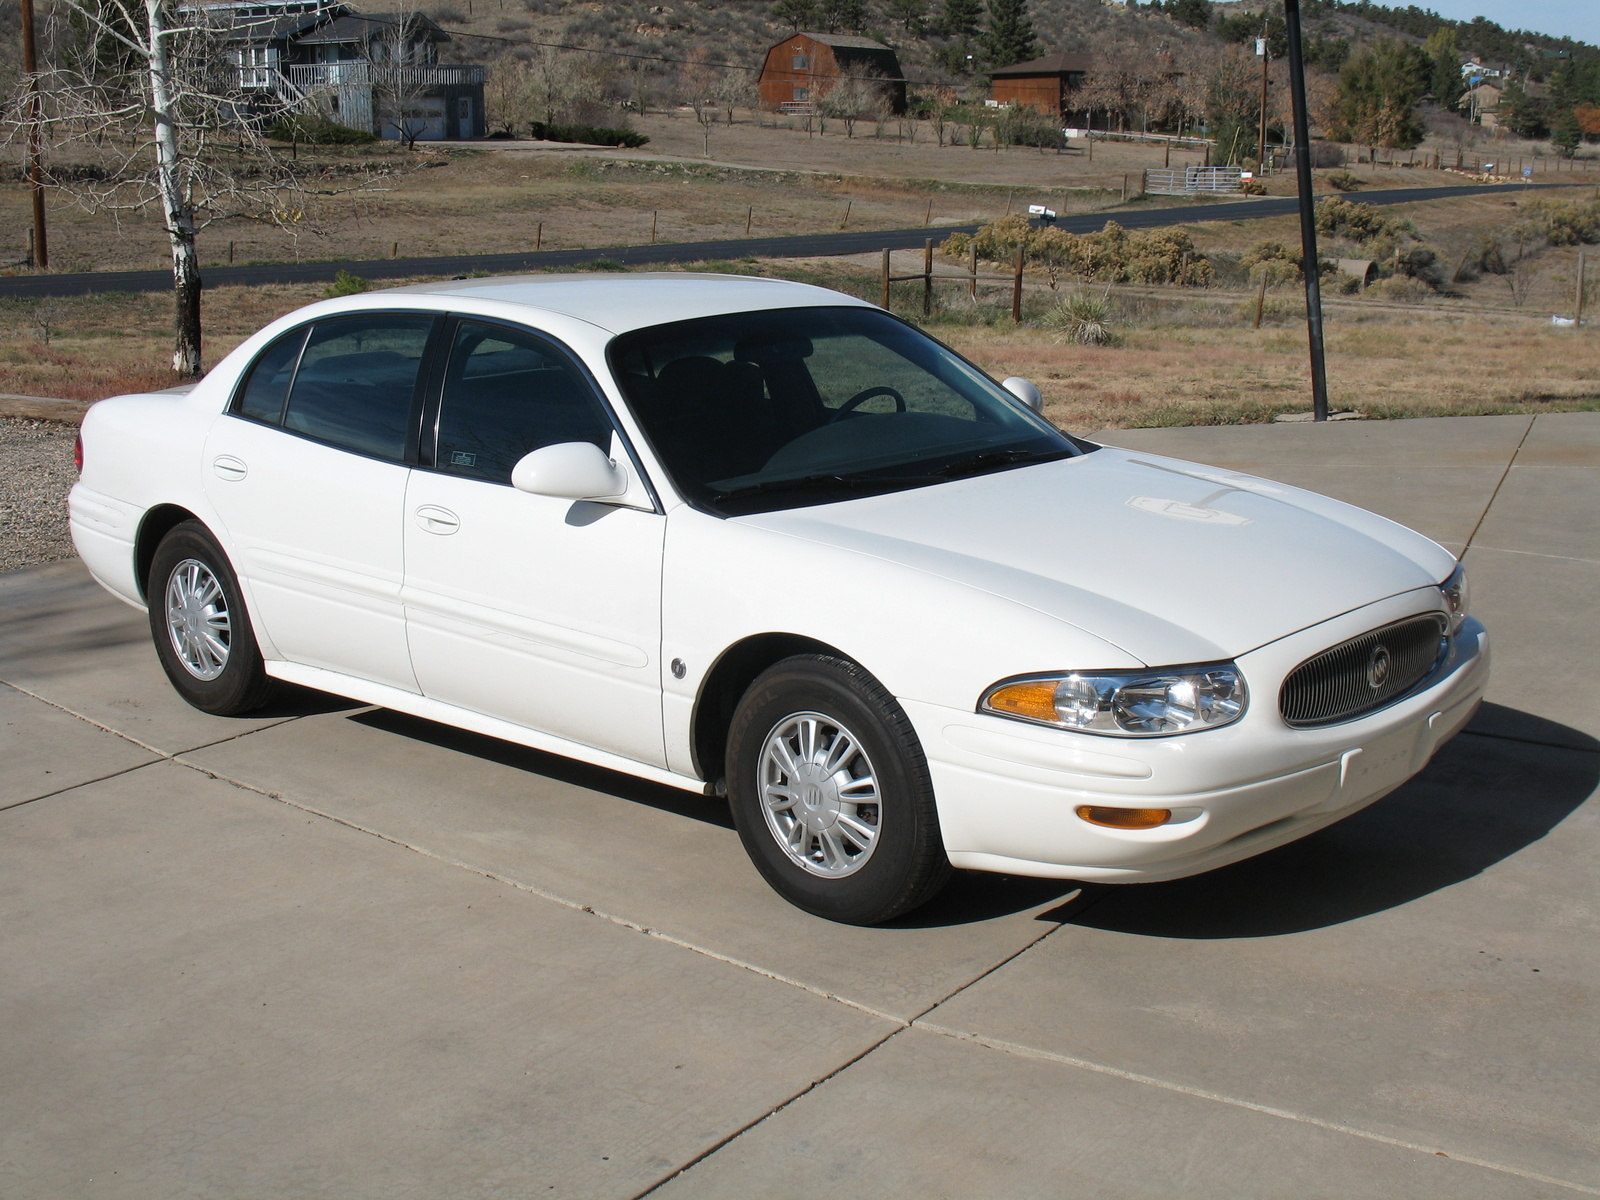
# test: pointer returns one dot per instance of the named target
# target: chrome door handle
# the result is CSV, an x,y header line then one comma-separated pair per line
x,y
438,520
228,467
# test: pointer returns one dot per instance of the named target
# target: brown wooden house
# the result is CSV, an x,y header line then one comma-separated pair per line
x,y
1043,83
802,69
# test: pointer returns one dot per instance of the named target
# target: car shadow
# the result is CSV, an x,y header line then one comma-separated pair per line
x,y
1484,797
972,896
711,809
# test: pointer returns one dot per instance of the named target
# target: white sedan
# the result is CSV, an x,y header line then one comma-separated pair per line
x,y
760,539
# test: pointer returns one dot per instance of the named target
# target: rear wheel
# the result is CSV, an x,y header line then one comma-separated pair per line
x,y
201,630
830,792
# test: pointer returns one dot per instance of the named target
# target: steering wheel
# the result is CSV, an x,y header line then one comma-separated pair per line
x,y
861,397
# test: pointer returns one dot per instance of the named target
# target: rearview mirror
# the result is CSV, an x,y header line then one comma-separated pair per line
x,y
1024,391
571,471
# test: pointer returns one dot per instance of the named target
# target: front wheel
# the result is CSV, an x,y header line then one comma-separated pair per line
x,y
830,792
201,630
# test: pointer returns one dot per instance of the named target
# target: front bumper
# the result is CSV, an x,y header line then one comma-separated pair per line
x,y
1007,791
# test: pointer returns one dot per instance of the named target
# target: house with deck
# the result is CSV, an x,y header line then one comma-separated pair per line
x,y
379,72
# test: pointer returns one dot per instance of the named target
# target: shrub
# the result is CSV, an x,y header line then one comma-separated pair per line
x,y
1083,318
1114,255
1566,222
1344,181
345,284
1344,283
1400,287
1280,262
319,131
594,135
1359,222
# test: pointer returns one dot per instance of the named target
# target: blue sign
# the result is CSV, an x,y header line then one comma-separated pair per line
x,y
1527,172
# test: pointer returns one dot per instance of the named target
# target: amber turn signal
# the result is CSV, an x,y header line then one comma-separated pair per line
x,y
1035,699
1124,818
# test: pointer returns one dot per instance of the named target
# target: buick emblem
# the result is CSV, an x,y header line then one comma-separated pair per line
x,y
1378,667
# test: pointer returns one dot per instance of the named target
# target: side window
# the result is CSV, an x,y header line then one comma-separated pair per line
x,y
357,382
507,393
267,385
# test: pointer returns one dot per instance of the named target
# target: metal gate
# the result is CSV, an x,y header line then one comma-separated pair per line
x,y
1194,181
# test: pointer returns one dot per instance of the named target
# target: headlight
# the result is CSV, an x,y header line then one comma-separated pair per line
x,y
1152,703
1456,596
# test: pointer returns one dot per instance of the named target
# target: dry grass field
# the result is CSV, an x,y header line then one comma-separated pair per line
x,y
1190,359
1183,356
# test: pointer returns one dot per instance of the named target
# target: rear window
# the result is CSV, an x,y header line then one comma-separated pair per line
x,y
356,385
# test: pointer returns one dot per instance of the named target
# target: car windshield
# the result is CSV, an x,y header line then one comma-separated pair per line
x,y
757,411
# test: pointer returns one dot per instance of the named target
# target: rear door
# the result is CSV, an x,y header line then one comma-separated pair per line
x,y
539,611
307,472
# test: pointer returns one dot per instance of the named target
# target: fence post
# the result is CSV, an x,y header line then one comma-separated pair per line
x,y
885,303
749,216
972,271
927,277
538,236
846,219
1016,289
230,254
1166,160
1124,189
1578,316
928,218
1261,296
653,216
394,250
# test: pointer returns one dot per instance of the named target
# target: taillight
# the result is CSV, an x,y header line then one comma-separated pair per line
x,y
77,454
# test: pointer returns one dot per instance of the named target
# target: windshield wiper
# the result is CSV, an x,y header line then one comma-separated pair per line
x,y
990,459
823,483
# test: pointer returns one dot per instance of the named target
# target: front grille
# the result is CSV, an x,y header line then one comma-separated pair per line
x,y
1363,674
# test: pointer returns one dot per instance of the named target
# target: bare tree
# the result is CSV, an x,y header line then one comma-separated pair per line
x,y
853,95
401,88
152,90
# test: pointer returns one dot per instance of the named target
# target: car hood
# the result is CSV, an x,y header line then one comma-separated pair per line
x,y
1170,561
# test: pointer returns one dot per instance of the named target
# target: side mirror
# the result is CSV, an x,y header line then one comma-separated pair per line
x,y
571,471
1024,391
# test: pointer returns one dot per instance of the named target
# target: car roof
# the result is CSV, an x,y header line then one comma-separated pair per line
x,y
622,302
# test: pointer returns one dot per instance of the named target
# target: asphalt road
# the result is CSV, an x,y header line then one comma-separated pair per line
x,y
797,246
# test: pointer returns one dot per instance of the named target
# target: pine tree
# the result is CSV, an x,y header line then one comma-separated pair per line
x,y
960,18
798,14
1009,38
1445,77
911,14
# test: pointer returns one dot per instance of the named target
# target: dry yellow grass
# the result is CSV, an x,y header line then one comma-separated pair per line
x,y
1382,366
1177,363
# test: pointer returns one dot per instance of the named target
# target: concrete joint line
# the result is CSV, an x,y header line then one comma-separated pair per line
x,y
1286,1114
169,755
1508,737
1537,553
553,897
768,1115
72,787
1495,495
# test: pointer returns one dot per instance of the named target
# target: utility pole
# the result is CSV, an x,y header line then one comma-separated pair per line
x,y
30,65
1310,261
1261,154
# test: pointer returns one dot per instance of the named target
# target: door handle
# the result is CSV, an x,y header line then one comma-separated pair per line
x,y
228,467
438,520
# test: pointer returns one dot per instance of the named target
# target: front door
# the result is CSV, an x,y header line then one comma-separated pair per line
x,y
536,610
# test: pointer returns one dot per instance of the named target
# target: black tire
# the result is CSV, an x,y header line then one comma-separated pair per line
x,y
240,684
905,864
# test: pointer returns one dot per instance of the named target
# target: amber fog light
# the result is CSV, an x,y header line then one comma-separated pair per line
x,y
1124,818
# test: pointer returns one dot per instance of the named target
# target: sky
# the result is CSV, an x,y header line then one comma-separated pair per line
x,y
1578,19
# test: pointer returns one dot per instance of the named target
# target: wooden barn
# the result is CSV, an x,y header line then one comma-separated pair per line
x,y
1043,83
802,69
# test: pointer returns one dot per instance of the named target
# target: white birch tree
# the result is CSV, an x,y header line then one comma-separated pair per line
x,y
151,91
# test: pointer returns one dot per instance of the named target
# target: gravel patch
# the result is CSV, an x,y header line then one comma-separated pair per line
x,y
36,472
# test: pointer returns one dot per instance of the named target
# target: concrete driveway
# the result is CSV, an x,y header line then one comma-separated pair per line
x,y
333,951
